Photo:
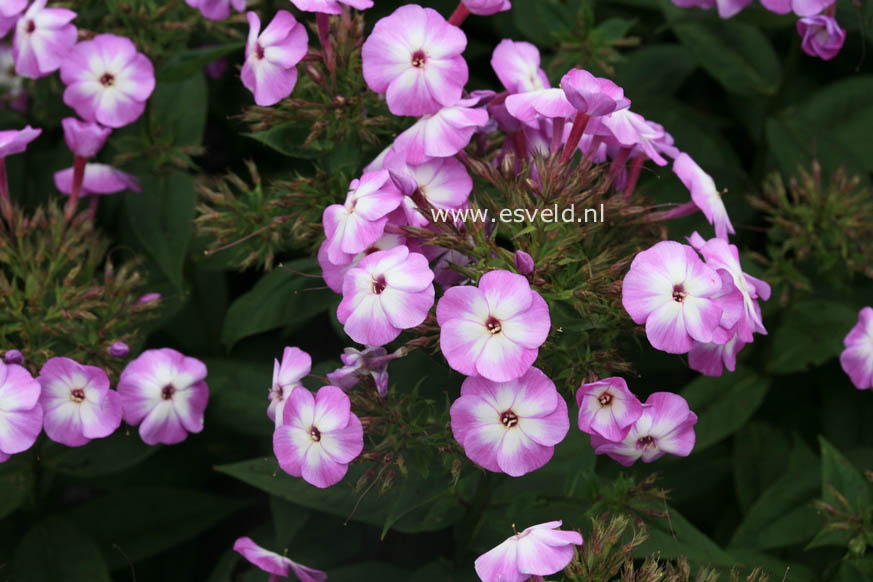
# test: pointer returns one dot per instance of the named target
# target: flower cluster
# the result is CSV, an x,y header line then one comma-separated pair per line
x,y
161,391
108,83
820,32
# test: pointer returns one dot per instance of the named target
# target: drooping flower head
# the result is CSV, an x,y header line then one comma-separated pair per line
x,y
15,141
670,290
319,436
387,292
414,57
607,408
822,36
296,364
270,70
493,330
273,563
352,227
799,7
216,9
77,403
726,8
517,65
442,134
594,96
331,6
704,194
100,179
43,39
83,138
20,411
165,393
107,80
857,358
372,362
665,426
510,427
711,359
540,550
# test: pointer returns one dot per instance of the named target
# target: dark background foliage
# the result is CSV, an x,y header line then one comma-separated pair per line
x,y
739,96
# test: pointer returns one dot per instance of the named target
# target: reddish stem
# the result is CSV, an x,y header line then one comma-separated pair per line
x,y
459,15
634,175
618,161
93,201
519,143
323,22
78,177
579,125
557,133
681,211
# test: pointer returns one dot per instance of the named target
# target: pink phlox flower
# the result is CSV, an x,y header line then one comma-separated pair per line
x,y
726,8
319,436
331,6
100,179
20,410
822,36
799,7
665,426
607,408
278,566
77,403
857,359
43,39
216,9
517,65
444,133
84,138
710,359
493,330
704,194
15,141
487,7
540,550
414,57
333,275
510,427
270,70
387,292
372,362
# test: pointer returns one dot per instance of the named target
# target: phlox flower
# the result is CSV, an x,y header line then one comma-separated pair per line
x,y
83,138
487,7
540,550
107,80
857,358
352,227
333,275
493,330
704,194
550,103
632,131
319,436
442,134
216,9
799,7
270,70
77,403
517,65
15,141
414,57
20,411
510,427
165,393
43,39
10,10
296,364
442,183
670,290
593,96
331,6
372,361
607,408
822,36
272,563
100,179
710,359
666,425
387,292
726,8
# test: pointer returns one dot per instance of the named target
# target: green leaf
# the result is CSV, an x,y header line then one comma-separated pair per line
x,y
288,139
795,142
542,21
184,64
739,56
161,217
810,334
760,454
724,404
16,482
779,569
117,452
783,515
282,298
676,537
55,550
412,505
177,111
840,478
238,395
138,522
673,62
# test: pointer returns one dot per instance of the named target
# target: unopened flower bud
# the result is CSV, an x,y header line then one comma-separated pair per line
x,y
524,263
118,350
13,357
149,298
